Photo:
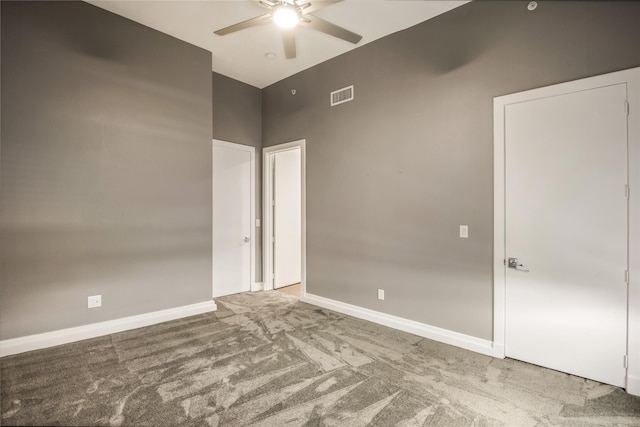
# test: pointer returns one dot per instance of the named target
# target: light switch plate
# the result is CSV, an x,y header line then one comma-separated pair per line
x,y
464,231
380,294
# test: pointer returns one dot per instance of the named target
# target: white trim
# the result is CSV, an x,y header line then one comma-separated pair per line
x,y
633,121
499,270
64,336
267,222
256,286
252,152
632,79
421,329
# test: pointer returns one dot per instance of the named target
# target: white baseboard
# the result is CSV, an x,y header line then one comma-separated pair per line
x,y
633,385
64,336
421,329
256,286
498,351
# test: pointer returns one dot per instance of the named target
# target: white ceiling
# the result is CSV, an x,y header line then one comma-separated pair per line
x,y
241,55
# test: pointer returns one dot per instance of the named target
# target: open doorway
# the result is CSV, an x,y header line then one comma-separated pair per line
x,y
284,218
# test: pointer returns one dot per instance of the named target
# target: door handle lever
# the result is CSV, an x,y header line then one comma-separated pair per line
x,y
513,263
247,239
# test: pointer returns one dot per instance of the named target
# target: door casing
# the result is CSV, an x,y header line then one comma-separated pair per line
x,y
632,79
267,196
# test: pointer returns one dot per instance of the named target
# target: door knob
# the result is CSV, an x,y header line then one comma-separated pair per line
x,y
513,263
246,239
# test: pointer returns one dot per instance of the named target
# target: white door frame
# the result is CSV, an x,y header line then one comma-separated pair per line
x,y
252,236
632,79
267,196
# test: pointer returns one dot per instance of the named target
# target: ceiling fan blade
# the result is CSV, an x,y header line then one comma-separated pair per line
x,y
264,19
266,4
327,27
308,7
289,42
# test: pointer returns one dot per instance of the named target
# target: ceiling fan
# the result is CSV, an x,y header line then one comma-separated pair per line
x,y
287,14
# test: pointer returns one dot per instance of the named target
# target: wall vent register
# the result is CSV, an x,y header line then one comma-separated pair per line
x,y
341,96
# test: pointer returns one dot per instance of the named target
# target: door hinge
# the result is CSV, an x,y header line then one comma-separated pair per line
x,y
626,107
627,191
626,276
626,361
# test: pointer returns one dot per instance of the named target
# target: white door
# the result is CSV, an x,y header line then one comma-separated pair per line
x,y
566,223
232,202
287,218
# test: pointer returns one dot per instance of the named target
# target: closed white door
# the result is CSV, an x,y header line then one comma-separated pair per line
x,y
566,223
287,218
231,219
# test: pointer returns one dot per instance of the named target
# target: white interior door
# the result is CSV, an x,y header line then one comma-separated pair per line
x,y
566,222
231,219
287,217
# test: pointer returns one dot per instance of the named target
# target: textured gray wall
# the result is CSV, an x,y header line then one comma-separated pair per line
x,y
237,117
106,168
392,175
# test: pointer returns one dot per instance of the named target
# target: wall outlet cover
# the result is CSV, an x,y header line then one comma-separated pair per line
x,y
94,301
381,294
464,231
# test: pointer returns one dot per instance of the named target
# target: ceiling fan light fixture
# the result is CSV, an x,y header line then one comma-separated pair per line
x,y
285,16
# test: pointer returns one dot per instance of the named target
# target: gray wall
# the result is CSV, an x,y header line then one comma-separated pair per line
x,y
237,117
106,168
392,175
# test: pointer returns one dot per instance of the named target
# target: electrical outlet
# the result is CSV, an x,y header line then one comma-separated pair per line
x,y
464,231
94,301
381,294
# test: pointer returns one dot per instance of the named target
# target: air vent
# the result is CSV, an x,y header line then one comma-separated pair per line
x,y
341,96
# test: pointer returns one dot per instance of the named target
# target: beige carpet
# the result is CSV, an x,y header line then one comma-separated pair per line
x,y
266,359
